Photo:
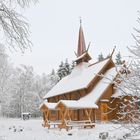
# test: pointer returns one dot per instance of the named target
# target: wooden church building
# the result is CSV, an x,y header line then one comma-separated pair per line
x,y
85,96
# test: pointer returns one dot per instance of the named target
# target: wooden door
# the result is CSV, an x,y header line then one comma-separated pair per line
x,y
104,110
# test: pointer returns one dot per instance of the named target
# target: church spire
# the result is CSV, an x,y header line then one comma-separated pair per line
x,y
82,52
81,41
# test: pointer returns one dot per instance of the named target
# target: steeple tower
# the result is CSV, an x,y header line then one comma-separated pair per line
x,y
81,41
82,52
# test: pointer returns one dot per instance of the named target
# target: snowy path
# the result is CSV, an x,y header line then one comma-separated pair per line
x,y
16,129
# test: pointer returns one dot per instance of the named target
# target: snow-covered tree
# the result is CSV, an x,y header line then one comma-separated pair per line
x,y
64,69
22,89
6,73
118,59
44,83
26,91
13,25
129,87
100,57
53,78
73,65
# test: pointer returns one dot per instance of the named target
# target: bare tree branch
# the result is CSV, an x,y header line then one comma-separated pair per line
x,y
13,25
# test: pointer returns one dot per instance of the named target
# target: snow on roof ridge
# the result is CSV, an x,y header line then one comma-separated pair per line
x,y
99,61
75,104
48,105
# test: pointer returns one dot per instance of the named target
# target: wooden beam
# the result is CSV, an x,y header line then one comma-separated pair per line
x,y
79,94
90,112
55,99
65,97
69,113
64,113
46,119
113,51
86,112
88,46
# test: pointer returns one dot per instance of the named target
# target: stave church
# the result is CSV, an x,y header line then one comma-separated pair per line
x,y
86,95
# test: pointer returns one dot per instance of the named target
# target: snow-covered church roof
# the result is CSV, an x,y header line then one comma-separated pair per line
x,y
50,106
80,78
90,100
99,89
73,104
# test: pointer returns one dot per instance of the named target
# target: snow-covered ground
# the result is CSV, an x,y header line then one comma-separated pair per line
x,y
16,129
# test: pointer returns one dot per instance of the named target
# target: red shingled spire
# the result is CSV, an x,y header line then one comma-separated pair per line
x,y
81,41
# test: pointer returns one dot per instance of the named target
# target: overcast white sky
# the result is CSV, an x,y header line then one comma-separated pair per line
x,y
55,25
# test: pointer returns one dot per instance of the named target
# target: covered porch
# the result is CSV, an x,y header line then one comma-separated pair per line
x,y
68,113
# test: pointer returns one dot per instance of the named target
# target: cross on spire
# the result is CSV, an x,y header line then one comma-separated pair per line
x,y
80,20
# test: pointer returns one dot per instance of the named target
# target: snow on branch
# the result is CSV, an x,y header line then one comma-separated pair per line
x,y
14,27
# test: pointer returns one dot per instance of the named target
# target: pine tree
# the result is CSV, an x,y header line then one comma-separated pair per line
x,y
60,70
118,59
53,78
73,65
100,57
68,67
64,69
53,72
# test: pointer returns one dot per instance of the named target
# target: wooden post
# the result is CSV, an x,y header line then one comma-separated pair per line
x,y
69,114
86,111
64,113
46,118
